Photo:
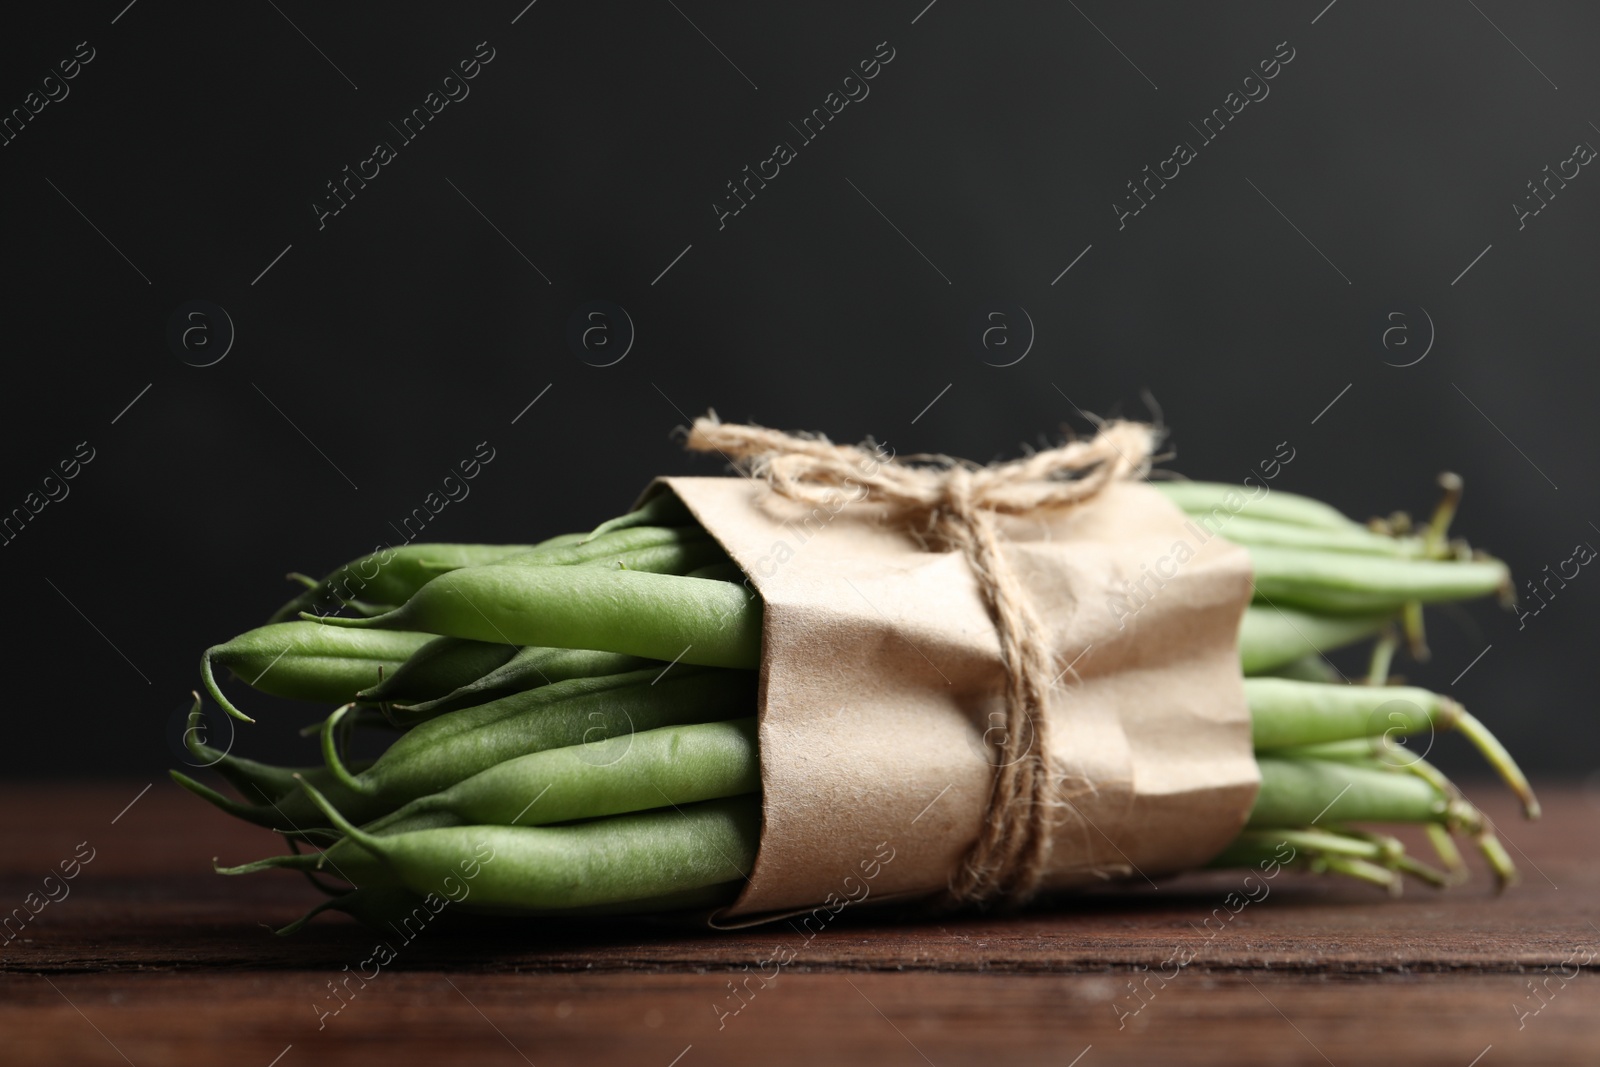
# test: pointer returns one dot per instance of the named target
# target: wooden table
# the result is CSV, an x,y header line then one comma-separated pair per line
x,y
152,959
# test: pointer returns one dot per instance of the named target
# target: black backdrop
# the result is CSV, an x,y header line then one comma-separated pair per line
x,y
983,169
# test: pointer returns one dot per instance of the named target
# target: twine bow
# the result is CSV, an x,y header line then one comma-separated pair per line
x,y
956,502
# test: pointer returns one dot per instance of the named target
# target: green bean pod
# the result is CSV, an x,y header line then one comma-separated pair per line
x,y
413,767
1312,668
617,543
1372,858
1264,533
1288,714
441,666
675,558
662,509
1343,583
1285,712
344,857
1224,502
298,660
1302,793
603,861
391,575
634,772
659,616
531,667
527,701
1273,637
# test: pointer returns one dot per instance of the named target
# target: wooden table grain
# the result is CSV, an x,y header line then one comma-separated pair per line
x,y
148,958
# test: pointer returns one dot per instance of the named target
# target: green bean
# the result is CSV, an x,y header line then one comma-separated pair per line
x,y
287,814
412,768
344,856
659,559
1271,637
531,667
634,539
632,772
603,861
257,781
1342,583
660,616
1312,668
1286,714
396,573
297,659
282,803
1212,499
1322,852
1254,844
525,702
266,788
1264,533
1304,792
360,607
662,509
441,666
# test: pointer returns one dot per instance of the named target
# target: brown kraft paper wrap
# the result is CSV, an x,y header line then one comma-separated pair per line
x,y
881,674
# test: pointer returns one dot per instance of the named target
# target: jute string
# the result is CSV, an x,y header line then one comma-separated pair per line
x,y
954,504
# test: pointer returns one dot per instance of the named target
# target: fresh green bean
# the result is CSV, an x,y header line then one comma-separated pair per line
x,y
441,666
1265,533
660,559
1204,499
1342,583
602,861
297,659
659,616
282,803
259,782
531,667
1285,714
526,702
344,856
1323,852
266,788
1312,668
1272,637
412,768
662,509
391,575
1304,792
633,772
633,539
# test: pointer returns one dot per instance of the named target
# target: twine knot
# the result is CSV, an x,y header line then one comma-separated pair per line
x,y
955,503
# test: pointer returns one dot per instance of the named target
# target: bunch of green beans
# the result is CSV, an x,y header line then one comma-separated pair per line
x,y
575,733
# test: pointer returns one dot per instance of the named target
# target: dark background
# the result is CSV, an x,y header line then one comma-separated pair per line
x,y
379,350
